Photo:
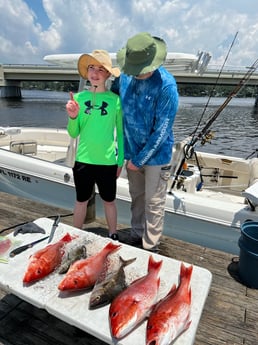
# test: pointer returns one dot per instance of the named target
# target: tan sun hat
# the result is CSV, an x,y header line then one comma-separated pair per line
x,y
142,54
99,58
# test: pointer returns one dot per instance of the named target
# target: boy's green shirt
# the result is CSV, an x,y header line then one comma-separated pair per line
x,y
100,127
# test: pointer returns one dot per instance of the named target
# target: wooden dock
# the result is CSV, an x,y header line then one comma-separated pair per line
x,y
230,315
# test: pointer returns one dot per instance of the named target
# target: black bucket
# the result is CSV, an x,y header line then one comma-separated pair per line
x,y
248,259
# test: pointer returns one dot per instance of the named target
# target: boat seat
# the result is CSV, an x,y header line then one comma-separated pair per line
x,y
24,147
251,195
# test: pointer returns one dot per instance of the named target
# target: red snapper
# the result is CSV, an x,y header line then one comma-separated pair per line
x,y
133,304
84,273
171,315
46,260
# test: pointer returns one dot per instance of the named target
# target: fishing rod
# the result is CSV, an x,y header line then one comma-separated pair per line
x,y
233,93
216,83
189,147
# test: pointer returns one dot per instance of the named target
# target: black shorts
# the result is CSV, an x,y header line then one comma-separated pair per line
x,y
86,175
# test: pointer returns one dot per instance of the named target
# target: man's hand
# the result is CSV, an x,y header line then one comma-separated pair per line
x,y
72,107
131,166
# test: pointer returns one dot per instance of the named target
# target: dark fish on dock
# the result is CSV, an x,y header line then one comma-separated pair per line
x,y
110,283
133,304
74,254
171,315
84,273
28,228
46,260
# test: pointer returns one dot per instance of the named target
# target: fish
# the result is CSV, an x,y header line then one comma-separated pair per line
x,y
28,228
170,317
74,254
5,244
84,273
110,283
46,260
133,305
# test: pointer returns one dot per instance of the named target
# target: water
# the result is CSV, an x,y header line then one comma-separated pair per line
x,y
236,128
35,109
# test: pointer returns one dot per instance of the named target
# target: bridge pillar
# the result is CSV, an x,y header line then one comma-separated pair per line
x,y
256,102
11,89
11,92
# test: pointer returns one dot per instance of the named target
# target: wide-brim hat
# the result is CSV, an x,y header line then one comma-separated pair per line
x,y
142,54
98,58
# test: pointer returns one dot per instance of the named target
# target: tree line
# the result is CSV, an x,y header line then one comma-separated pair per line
x,y
187,90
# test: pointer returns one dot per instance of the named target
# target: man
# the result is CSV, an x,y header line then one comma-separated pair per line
x,y
149,102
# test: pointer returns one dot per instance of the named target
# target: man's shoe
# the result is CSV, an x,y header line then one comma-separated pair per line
x,y
136,242
153,250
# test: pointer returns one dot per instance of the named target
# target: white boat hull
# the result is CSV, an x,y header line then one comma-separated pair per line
x,y
41,173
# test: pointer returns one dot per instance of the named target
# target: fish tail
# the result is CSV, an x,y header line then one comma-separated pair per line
x,y
126,262
185,272
112,246
154,265
185,277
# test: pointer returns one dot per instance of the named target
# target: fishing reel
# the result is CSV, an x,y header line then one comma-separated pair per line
x,y
207,137
180,182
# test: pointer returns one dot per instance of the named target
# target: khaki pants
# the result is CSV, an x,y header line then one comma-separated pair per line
x,y
148,188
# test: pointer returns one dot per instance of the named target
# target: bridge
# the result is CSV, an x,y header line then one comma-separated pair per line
x,y
11,76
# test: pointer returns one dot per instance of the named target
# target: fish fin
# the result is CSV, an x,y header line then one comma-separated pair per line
x,y
84,252
154,265
187,325
67,238
172,290
158,282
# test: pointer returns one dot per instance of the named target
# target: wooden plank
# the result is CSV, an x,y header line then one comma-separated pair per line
x,y
28,325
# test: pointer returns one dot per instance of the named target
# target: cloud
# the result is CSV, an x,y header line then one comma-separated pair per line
x,y
81,26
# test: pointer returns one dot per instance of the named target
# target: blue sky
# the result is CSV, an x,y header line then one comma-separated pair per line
x,y
41,16
31,29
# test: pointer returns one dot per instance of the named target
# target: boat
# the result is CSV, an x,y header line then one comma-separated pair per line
x,y
209,195
175,62
207,202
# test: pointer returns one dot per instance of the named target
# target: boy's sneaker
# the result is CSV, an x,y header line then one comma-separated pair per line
x,y
114,236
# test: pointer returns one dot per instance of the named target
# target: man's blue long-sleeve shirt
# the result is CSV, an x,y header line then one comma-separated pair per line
x,y
149,108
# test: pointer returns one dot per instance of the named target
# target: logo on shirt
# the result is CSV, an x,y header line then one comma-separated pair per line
x,y
90,106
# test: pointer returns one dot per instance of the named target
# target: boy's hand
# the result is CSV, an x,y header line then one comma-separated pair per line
x,y
72,107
